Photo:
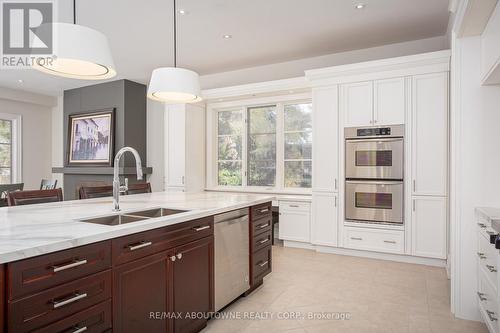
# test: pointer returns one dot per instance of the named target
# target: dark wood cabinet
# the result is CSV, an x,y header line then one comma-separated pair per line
x,y
193,278
141,294
2,299
260,244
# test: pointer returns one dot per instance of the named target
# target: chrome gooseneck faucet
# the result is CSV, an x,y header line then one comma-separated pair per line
x,y
116,180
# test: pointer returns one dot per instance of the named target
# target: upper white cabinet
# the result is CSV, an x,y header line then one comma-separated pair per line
x,y
430,134
372,103
324,219
325,139
490,49
185,155
389,101
429,221
357,103
295,221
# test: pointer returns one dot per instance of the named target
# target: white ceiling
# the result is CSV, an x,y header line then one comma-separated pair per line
x,y
264,32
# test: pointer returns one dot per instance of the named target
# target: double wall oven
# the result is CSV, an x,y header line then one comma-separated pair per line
x,y
374,171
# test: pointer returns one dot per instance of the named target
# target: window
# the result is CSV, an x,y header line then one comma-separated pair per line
x,y
298,145
268,145
229,147
262,146
5,151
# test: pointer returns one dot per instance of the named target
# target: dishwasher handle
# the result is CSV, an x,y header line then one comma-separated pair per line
x,y
234,220
234,216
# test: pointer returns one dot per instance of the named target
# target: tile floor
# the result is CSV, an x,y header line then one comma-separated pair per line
x,y
380,296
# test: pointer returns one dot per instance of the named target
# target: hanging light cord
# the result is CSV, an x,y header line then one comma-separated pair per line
x,y
175,34
74,11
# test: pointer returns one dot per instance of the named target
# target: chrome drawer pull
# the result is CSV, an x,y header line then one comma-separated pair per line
x,y
179,256
356,238
172,258
482,225
202,228
75,263
264,241
265,210
390,242
262,226
481,255
73,299
491,268
294,206
490,315
481,296
79,329
139,246
264,263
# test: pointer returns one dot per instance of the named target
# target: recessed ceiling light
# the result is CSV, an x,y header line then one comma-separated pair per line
x,y
182,12
360,6
20,81
227,36
290,91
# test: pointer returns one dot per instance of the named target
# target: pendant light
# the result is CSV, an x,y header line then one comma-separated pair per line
x,y
80,52
174,84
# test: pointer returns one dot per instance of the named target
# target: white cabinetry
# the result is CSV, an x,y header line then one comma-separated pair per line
x,y
490,49
430,134
295,221
185,153
429,221
326,139
324,219
357,103
389,101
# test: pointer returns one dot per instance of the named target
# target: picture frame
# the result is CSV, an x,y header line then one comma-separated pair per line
x,y
91,138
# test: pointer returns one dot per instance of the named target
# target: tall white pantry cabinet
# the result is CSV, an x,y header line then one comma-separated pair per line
x,y
410,90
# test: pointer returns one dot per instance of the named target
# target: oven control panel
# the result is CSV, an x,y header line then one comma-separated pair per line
x,y
374,131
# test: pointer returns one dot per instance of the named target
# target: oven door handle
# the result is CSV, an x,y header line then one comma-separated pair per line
x,y
375,182
374,140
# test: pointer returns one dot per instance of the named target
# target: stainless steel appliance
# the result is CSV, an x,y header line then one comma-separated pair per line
x,y
374,201
374,171
231,256
374,152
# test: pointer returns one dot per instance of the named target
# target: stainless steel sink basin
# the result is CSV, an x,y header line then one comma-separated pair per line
x,y
115,219
129,217
157,212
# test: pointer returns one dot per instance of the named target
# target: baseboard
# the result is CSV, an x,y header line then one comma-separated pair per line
x,y
298,245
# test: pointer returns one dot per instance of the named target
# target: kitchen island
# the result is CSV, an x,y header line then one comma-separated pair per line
x,y
62,274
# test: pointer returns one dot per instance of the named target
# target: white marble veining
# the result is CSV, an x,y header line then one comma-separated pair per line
x,y
27,231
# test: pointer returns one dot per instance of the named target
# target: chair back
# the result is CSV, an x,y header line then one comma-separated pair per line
x,y
139,188
89,192
18,198
5,189
48,184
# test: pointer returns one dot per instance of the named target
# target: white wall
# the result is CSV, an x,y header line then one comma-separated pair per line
x,y
296,68
156,143
36,127
57,140
475,167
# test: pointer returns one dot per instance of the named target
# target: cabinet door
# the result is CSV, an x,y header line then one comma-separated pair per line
x,y
326,140
176,145
140,289
324,219
357,103
389,101
429,223
193,276
295,224
430,134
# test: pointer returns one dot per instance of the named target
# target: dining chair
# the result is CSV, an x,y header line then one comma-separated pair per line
x,y
48,184
89,192
139,188
5,189
18,198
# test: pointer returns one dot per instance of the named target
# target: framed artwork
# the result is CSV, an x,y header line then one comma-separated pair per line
x,y
91,138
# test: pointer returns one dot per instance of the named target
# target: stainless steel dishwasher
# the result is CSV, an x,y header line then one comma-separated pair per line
x,y
231,256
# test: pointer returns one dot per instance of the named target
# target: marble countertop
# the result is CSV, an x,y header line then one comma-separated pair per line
x,y
28,231
492,215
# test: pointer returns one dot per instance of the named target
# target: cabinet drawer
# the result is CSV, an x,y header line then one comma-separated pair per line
x,y
261,226
261,211
391,241
487,260
39,273
487,300
56,303
261,264
294,206
485,228
261,241
142,244
95,319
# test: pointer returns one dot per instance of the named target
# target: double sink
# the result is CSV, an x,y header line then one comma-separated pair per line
x,y
130,217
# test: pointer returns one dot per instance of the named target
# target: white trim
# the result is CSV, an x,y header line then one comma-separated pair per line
x,y
285,85
16,146
27,97
424,63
